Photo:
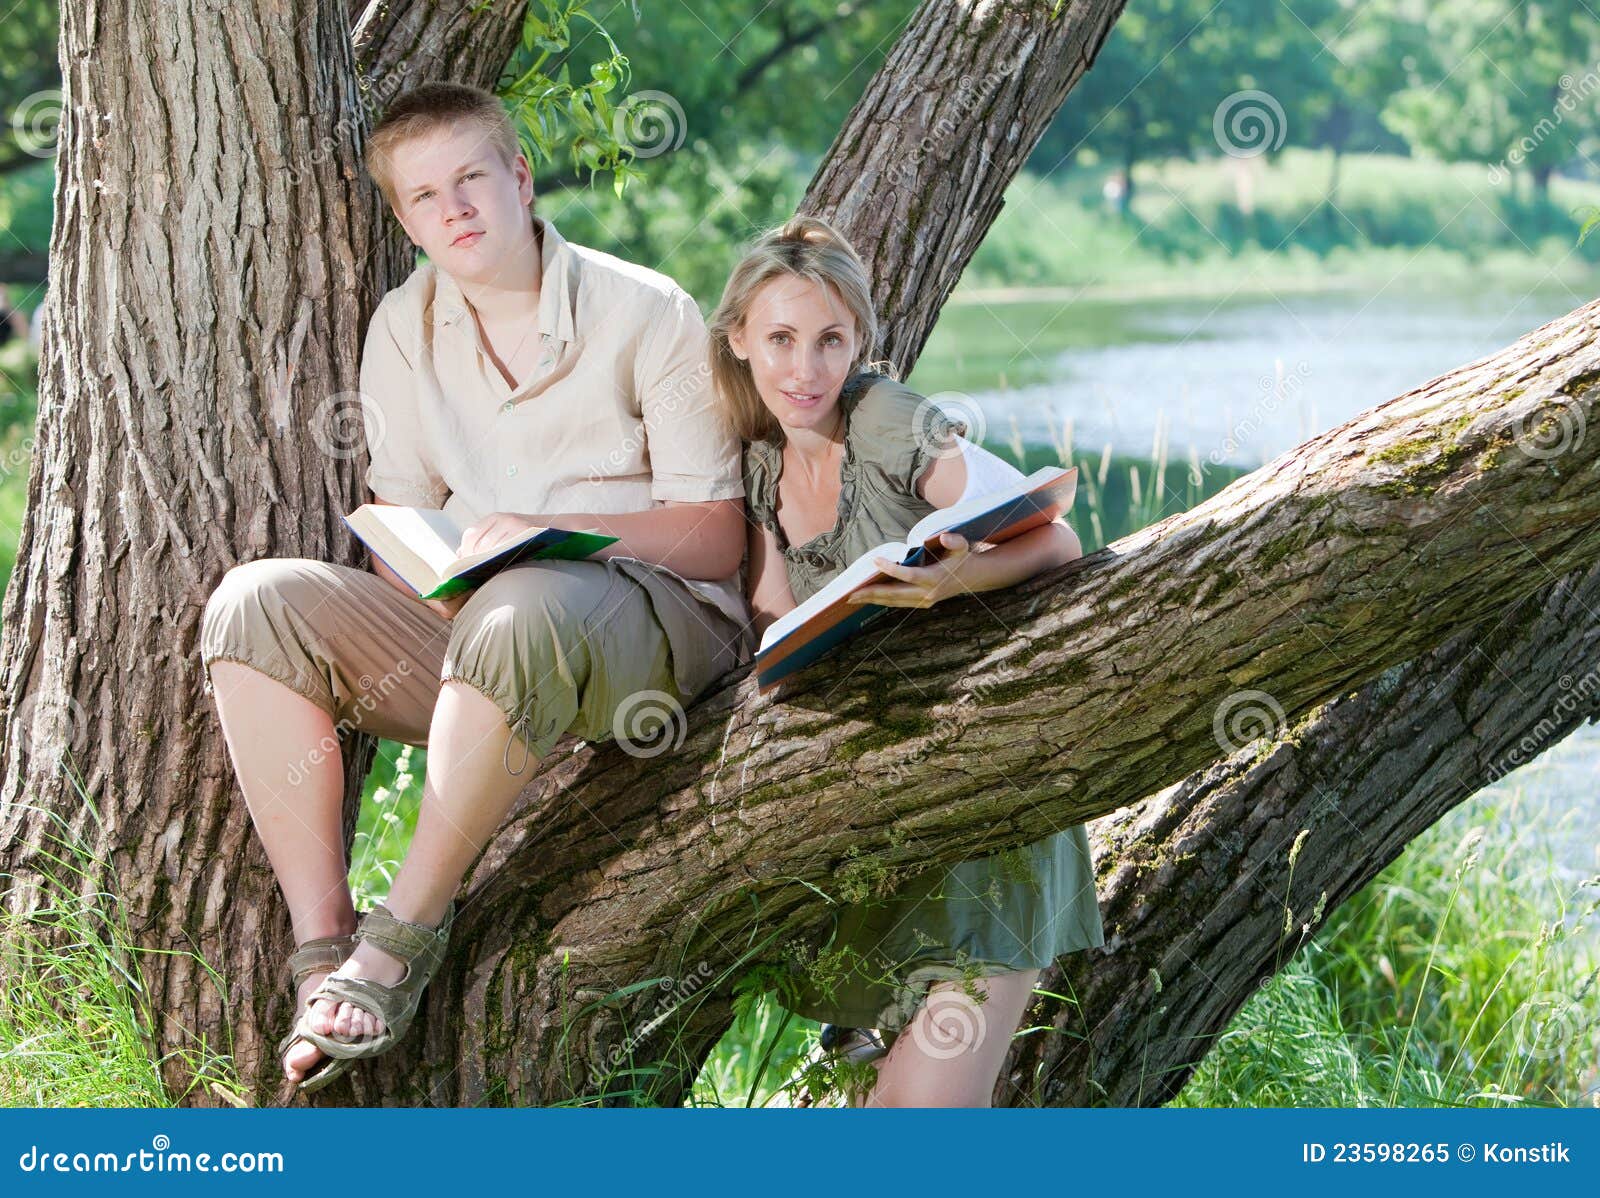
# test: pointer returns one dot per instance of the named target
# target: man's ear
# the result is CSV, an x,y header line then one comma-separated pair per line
x,y
520,168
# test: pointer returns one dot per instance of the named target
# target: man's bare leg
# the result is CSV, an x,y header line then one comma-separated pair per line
x,y
466,794
293,785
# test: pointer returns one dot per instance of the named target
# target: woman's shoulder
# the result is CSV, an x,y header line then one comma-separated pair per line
x,y
896,429
759,467
877,403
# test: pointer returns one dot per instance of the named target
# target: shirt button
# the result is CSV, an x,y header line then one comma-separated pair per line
x,y
510,470
509,405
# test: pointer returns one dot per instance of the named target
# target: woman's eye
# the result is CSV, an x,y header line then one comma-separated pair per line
x,y
832,339
470,175
779,338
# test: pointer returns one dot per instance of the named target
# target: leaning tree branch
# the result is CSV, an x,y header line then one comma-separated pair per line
x,y
1198,882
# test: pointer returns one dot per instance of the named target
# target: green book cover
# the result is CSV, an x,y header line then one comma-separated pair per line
x,y
572,546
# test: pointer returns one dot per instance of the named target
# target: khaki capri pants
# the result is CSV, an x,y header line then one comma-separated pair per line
x,y
558,646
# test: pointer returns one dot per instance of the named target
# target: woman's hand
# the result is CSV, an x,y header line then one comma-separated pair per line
x,y
494,530
924,585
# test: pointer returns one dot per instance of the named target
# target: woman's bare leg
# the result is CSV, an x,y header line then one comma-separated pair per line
x,y
285,753
466,794
950,1054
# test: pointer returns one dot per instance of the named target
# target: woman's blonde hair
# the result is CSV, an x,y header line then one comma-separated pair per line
x,y
810,248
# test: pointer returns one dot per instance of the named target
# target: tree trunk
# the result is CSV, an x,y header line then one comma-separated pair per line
x,y
1081,690
400,43
919,171
198,407
196,400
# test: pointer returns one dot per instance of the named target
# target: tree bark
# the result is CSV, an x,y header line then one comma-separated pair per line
x,y
1079,691
400,43
197,409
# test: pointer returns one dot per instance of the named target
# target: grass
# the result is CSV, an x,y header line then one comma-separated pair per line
x,y
76,1027
1187,233
1464,975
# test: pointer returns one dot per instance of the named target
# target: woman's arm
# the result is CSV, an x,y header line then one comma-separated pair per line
x,y
770,596
962,572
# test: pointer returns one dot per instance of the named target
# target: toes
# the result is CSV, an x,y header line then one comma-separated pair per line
x,y
299,1059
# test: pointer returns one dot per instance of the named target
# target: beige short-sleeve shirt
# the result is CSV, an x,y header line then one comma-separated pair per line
x,y
618,414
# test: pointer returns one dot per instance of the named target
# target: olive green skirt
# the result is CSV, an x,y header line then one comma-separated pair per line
x,y
1013,911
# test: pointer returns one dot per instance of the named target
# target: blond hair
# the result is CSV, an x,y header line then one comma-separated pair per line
x,y
807,247
432,106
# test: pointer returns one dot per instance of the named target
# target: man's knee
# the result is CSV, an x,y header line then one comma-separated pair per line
x,y
250,586
539,611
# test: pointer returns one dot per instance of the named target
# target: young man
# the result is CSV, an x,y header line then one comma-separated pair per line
x,y
515,379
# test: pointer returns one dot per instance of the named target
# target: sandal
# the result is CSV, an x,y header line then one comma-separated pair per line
x,y
320,955
858,1045
420,947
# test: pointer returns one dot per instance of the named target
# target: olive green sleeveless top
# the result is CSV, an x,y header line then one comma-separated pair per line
x,y
890,436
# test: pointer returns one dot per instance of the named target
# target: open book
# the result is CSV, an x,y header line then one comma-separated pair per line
x,y
801,636
419,544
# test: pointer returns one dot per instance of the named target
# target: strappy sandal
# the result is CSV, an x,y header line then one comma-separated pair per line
x,y
321,955
420,947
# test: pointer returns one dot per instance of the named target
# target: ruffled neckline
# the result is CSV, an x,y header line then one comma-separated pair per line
x,y
821,549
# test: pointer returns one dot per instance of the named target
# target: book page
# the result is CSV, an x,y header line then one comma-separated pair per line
x,y
936,522
838,586
427,532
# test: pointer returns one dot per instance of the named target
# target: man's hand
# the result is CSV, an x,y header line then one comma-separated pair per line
x,y
494,530
449,607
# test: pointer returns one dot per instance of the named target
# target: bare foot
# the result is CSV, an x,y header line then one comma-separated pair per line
x,y
302,1055
345,1020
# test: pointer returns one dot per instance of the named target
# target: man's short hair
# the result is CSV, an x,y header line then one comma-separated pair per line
x,y
432,106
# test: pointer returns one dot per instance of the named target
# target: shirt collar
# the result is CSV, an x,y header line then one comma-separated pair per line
x,y
558,287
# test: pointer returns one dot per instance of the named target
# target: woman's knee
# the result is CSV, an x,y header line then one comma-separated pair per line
x,y
950,1054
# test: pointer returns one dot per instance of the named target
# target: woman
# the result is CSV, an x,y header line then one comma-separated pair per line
x,y
838,459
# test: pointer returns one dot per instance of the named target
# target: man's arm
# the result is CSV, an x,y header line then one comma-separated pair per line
x,y
693,540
